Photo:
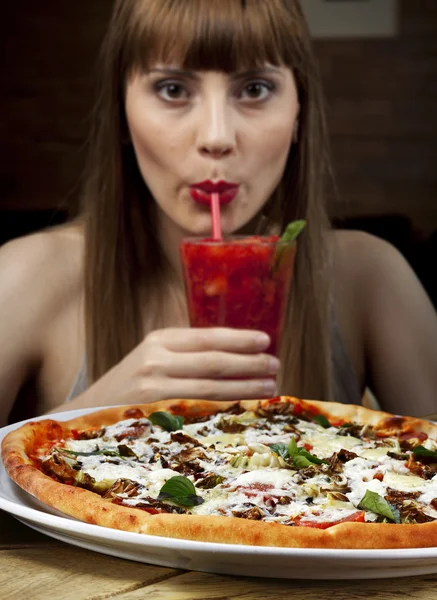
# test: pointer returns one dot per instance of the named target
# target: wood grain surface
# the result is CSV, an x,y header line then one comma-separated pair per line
x,y
38,567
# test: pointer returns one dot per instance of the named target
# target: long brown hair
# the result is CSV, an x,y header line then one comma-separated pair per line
x,y
122,250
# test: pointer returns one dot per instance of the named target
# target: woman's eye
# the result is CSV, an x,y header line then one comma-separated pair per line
x,y
257,90
171,91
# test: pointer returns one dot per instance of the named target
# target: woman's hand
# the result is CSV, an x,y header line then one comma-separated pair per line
x,y
209,363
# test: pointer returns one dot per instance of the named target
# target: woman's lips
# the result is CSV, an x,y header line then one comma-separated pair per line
x,y
202,192
204,198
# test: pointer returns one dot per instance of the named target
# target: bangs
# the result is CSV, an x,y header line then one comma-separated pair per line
x,y
216,35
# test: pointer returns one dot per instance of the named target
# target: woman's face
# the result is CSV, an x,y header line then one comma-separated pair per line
x,y
188,128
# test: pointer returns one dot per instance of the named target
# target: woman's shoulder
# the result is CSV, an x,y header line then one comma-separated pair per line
x,y
42,268
368,273
362,258
365,270
40,285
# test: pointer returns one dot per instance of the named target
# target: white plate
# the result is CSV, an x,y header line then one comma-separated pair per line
x,y
231,559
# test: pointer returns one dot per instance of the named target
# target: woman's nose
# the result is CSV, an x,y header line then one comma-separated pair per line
x,y
216,132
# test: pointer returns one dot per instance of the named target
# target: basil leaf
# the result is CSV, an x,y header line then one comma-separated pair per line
x,y
379,505
300,453
422,451
301,461
293,231
322,420
396,513
180,490
280,450
186,501
293,449
166,420
314,459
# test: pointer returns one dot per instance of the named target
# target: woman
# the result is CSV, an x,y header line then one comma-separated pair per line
x,y
94,312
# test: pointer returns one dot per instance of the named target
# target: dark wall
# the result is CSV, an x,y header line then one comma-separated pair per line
x,y
381,97
48,69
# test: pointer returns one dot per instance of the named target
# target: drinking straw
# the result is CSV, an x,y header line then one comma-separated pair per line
x,y
215,217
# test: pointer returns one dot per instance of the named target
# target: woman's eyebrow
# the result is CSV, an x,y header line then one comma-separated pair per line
x,y
257,72
174,72
171,71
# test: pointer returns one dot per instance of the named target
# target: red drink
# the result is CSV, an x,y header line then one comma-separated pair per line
x,y
241,282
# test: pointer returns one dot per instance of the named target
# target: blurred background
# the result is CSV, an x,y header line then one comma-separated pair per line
x,y
378,60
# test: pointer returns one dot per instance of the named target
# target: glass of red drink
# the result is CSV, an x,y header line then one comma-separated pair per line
x,y
240,282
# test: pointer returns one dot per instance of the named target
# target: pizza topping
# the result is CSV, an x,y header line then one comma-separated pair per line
x,y
280,463
281,450
397,456
375,503
322,420
345,456
124,487
167,421
425,453
357,431
229,426
180,490
298,457
411,440
125,451
335,497
274,408
183,438
249,511
410,510
420,468
150,505
210,481
89,434
100,452
355,517
60,464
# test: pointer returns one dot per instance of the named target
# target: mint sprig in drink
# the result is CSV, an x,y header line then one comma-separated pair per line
x,y
240,282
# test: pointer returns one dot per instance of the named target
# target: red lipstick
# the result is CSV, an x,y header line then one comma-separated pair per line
x,y
201,192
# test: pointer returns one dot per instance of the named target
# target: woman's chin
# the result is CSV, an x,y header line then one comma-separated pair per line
x,y
206,232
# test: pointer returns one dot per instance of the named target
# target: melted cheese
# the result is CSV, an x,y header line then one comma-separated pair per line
x,y
375,453
325,444
401,482
254,475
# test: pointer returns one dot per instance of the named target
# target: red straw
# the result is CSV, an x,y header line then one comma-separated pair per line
x,y
215,216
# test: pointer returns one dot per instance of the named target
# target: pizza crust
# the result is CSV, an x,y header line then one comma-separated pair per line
x,y
20,447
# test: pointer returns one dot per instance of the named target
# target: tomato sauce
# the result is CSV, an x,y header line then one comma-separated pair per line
x,y
356,517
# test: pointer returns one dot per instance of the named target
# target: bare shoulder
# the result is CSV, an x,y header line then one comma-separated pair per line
x,y
40,279
364,257
39,271
369,267
366,273
392,320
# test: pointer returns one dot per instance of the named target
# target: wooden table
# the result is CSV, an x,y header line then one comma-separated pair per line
x,y
38,567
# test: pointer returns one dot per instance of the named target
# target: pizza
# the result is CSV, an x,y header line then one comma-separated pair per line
x,y
280,472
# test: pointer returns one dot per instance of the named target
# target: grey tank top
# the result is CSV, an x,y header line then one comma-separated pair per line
x,y
346,386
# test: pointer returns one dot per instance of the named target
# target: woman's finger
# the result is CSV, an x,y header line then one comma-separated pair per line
x,y
210,389
218,365
204,339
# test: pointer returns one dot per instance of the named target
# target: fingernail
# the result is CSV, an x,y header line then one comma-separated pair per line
x,y
274,365
262,341
270,388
